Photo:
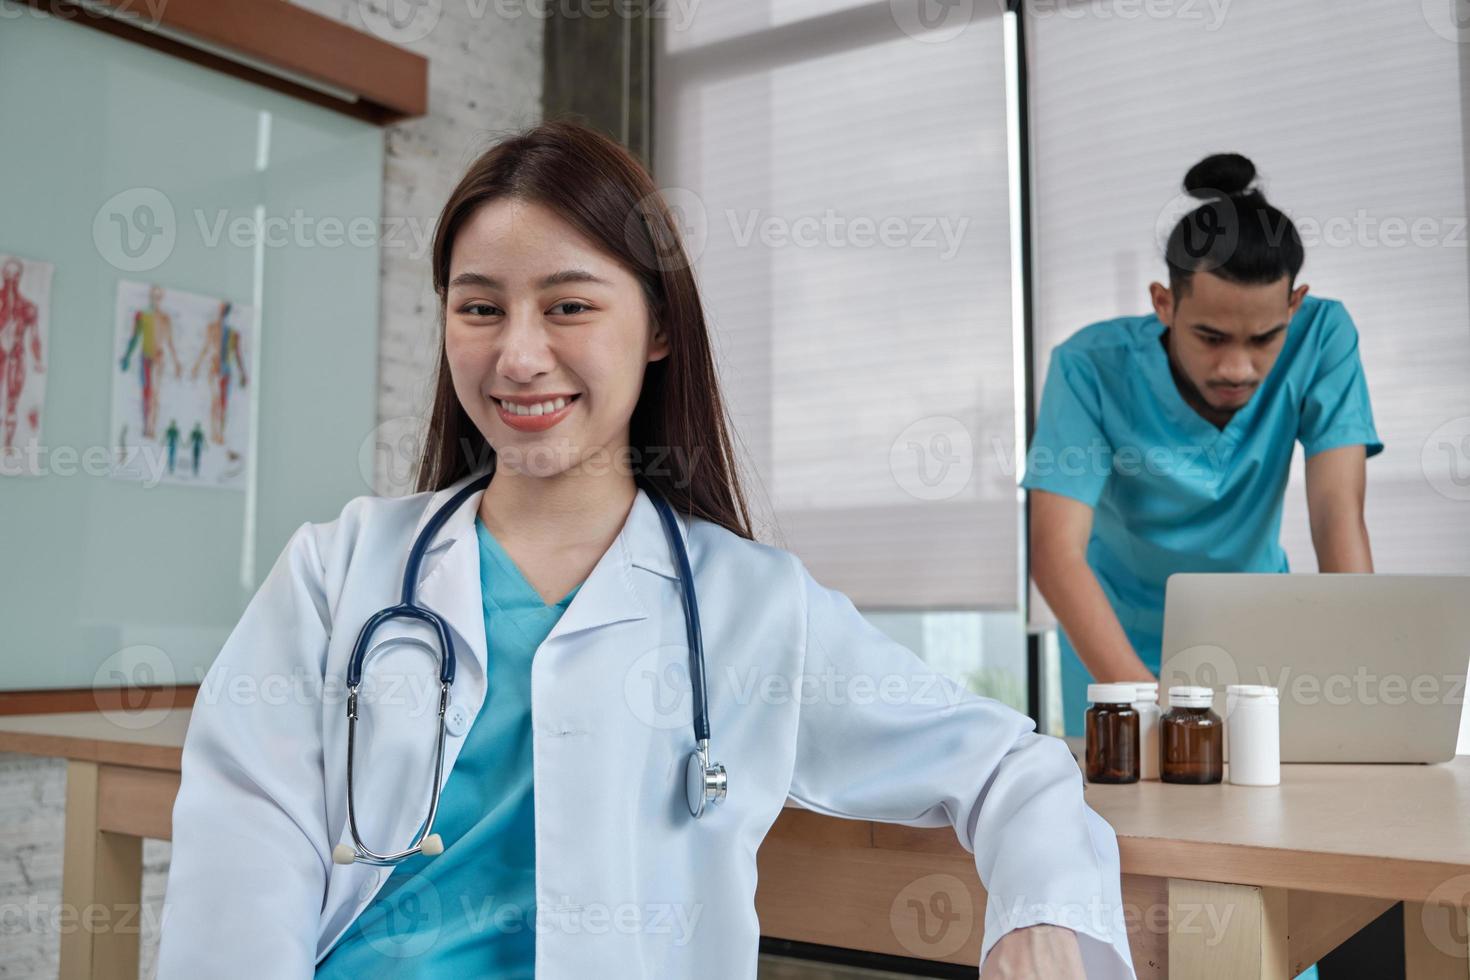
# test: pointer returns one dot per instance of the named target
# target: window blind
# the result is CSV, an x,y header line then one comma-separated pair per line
x,y
846,187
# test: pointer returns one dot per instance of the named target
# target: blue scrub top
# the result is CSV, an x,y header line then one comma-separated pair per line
x,y
1170,491
470,912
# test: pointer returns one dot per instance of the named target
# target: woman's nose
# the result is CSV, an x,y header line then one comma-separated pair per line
x,y
525,349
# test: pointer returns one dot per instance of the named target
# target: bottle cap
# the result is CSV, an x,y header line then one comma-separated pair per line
x,y
1251,690
1191,697
1110,693
1148,693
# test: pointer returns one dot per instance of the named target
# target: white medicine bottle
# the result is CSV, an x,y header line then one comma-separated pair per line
x,y
1146,703
1253,729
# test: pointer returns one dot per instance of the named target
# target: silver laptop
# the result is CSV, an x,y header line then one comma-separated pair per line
x,y
1370,668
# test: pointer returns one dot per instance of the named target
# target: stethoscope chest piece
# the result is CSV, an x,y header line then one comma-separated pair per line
x,y
704,784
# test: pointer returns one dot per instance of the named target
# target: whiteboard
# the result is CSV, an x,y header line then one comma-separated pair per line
x,y
122,164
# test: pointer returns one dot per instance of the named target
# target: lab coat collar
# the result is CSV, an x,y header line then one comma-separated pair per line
x,y
451,584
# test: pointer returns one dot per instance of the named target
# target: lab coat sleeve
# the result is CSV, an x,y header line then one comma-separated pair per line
x,y
882,736
250,855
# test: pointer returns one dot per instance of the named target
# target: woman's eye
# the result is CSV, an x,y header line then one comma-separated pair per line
x,y
571,308
479,309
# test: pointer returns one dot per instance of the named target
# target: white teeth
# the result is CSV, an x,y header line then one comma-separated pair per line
x,y
544,408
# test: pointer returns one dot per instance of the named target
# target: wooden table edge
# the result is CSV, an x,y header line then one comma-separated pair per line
x,y
1329,872
139,754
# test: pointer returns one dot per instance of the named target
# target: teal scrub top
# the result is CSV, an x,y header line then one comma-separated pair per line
x,y
470,911
1170,491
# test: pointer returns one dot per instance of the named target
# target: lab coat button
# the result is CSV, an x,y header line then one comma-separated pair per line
x,y
456,720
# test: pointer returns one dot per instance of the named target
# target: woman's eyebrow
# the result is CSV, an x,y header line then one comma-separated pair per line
x,y
555,279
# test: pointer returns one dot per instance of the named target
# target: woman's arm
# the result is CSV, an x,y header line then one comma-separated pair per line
x,y
250,852
882,736
1035,951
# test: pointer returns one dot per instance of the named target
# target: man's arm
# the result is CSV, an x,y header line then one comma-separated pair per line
x,y
1060,529
1336,483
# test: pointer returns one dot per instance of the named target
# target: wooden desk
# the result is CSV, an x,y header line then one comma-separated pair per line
x,y
121,780
1219,881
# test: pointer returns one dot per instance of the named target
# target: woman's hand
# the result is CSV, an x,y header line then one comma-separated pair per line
x,y
1041,952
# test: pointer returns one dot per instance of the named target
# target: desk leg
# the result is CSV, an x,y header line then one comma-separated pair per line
x,y
1435,942
1227,932
101,888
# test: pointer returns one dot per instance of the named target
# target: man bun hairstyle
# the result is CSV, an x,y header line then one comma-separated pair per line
x,y
1234,233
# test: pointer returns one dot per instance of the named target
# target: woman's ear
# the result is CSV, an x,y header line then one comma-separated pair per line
x,y
658,346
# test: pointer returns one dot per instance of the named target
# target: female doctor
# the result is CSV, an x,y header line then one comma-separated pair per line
x,y
584,825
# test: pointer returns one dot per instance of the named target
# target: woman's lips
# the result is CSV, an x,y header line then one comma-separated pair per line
x,y
534,423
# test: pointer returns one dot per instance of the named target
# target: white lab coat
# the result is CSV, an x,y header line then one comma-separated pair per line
x,y
806,700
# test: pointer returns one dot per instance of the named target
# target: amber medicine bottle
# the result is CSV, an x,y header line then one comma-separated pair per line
x,y
1191,738
1112,734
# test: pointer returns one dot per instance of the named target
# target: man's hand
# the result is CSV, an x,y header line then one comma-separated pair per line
x,y
1043,952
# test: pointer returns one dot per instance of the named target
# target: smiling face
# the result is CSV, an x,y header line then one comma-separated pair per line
x,y
1224,337
547,338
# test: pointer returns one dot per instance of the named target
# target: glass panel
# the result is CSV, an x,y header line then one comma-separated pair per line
x,y
271,203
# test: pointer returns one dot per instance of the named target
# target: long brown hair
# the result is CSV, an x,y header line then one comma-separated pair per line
x,y
678,437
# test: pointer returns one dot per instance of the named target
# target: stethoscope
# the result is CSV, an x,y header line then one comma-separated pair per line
x,y
704,782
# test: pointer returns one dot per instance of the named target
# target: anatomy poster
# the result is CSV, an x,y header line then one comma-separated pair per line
x,y
25,312
181,371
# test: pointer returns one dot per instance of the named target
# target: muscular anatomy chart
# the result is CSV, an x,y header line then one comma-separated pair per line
x,y
179,356
25,304
222,347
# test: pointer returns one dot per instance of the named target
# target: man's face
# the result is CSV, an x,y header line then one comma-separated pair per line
x,y
1224,336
